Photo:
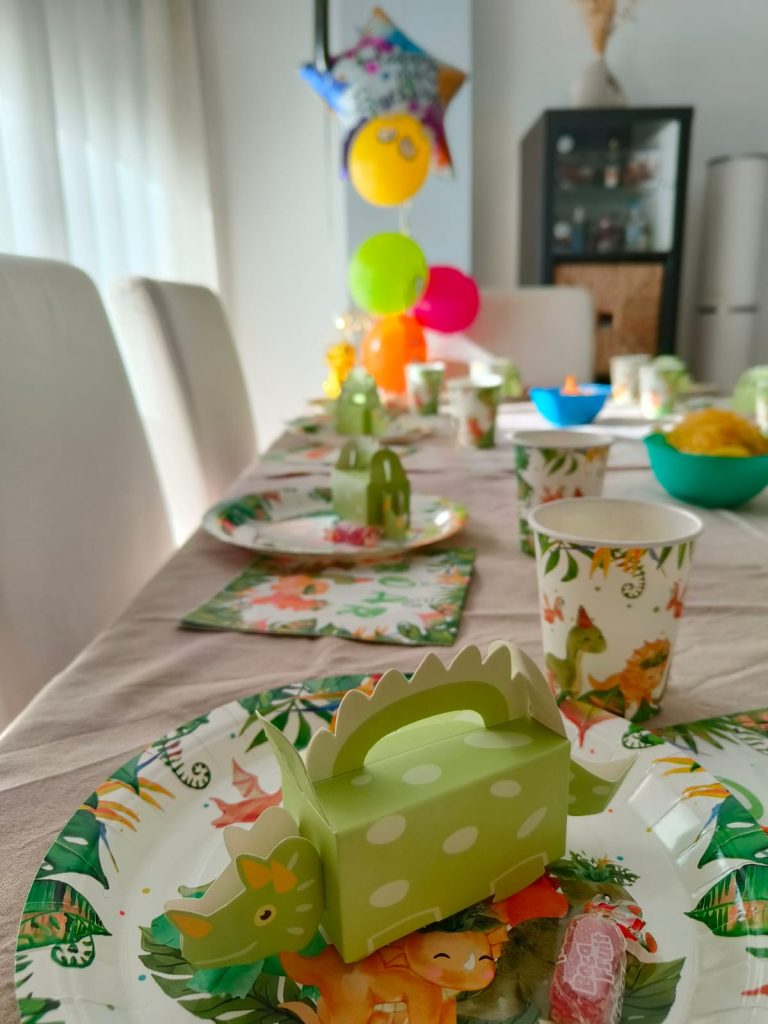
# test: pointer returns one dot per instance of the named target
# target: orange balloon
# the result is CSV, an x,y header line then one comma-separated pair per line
x,y
391,343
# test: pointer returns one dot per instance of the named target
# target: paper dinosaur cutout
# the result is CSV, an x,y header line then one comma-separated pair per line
x,y
268,898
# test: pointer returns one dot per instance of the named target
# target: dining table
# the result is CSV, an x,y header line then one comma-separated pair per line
x,y
144,675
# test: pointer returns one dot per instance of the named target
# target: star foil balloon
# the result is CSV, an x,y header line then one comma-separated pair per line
x,y
387,72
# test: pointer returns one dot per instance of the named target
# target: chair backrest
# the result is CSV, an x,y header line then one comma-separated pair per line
x,y
82,522
548,331
187,325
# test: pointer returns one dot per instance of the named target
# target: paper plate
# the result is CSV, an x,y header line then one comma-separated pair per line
x,y
676,862
300,521
401,429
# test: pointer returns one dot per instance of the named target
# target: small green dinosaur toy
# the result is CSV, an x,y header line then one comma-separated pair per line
x,y
583,638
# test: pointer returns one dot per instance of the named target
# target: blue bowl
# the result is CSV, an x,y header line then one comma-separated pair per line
x,y
570,410
713,481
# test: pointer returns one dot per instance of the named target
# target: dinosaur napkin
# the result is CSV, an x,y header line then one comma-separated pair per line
x,y
413,599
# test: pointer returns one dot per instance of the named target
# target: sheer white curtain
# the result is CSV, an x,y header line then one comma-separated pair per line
x,y
103,163
102,139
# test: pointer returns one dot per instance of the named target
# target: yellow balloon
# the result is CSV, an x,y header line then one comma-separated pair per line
x,y
389,159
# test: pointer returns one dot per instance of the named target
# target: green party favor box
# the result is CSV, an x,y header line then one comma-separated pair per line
x,y
358,408
433,794
370,486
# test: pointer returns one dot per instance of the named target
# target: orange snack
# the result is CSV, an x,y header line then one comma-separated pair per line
x,y
570,387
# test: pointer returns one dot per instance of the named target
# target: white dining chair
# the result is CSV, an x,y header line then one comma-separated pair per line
x,y
183,329
548,331
82,522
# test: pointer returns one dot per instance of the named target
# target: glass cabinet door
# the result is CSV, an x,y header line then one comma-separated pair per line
x,y
615,188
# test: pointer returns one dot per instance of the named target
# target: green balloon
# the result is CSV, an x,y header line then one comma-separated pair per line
x,y
387,274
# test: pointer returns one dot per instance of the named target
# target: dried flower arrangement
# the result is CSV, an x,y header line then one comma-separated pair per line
x,y
602,17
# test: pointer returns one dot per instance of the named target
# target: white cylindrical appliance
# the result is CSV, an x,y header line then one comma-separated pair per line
x,y
732,269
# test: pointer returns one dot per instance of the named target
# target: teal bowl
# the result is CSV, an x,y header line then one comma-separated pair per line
x,y
713,481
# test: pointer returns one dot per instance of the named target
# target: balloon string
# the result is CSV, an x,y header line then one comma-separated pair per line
x,y
404,216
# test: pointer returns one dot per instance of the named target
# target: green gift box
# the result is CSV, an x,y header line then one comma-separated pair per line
x,y
370,487
429,796
419,809
358,409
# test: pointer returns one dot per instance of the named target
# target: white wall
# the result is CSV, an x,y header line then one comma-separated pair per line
x,y
277,197
286,223
710,54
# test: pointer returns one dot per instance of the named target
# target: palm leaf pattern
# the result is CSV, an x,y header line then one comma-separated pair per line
x,y
737,904
749,728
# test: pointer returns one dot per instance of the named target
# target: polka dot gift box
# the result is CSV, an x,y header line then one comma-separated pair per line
x,y
428,796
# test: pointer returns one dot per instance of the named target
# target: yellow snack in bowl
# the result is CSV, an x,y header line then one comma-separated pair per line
x,y
731,451
718,432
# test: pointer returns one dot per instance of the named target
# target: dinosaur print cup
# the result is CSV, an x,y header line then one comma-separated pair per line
x,y
625,378
612,580
423,382
555,464
473,405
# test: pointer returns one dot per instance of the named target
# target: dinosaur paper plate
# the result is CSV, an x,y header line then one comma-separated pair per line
x,y
301,521
401,429
676,864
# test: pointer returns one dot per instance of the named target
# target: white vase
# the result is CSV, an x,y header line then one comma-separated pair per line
x,y
596,86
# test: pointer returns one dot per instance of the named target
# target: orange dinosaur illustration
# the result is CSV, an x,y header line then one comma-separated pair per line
x,y
255,799
541,898
476,432
404,981
642,675
555,612
675,602
438,614
287,591
548,495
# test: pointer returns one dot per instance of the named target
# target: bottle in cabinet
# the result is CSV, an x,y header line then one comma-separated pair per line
x,y
612,169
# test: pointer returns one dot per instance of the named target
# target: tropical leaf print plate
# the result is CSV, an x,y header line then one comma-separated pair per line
x,y
734,748
676,863
301,521
400,429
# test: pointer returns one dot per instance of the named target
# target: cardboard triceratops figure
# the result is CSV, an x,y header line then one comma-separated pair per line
x,y
269,898
429,796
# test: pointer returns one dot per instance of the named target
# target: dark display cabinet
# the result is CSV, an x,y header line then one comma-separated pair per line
x,y
603,205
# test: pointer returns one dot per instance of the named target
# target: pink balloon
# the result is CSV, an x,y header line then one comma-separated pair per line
x,y
450,302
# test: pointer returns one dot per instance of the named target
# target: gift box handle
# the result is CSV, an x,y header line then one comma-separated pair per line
x,y
386,470
362,721
349,457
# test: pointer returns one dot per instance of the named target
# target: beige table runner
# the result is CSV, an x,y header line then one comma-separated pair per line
x,y
144,676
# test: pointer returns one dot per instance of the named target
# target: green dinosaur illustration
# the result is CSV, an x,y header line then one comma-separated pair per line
x,y
583,638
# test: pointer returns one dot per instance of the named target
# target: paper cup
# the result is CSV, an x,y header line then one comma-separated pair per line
x,y
761,406
423,382
473,404
625,378
511,383
612,580
659,390
555,464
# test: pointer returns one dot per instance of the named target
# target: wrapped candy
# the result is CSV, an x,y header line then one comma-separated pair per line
x,y
588,980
